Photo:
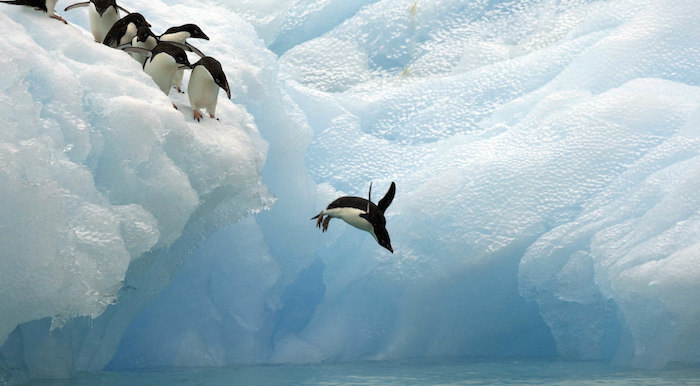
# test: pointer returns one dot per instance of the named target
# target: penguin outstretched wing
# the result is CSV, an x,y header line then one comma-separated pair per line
x,y
77,5
388,198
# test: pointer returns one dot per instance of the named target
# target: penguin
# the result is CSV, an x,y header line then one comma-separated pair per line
x,y
162,63
180,34
145,39
47,6
362,214
203,88
124,30
102,14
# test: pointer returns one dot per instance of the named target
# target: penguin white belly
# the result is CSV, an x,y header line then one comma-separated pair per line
x,y
131,31
352,217
162,68
203,92
99,26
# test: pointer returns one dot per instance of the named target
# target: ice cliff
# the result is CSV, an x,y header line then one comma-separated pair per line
x,y
546,155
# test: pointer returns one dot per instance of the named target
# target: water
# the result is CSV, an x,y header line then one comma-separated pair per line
x,y
415,372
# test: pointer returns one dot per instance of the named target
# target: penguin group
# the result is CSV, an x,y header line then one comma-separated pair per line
x,y
163,57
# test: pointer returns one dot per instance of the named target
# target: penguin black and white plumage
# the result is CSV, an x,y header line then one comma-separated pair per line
x,y
165,59
203,88
145,39
124,30
47,6
362,214
102,14
180,34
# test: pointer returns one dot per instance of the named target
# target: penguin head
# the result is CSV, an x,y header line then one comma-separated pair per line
x,y
382,235
192,29
195,32
101,6
143,33
181,59
217,73
175,51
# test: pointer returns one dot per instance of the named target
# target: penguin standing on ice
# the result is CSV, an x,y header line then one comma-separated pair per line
x,y
362,214
102,14
203,88
163,62
145,39
124,30
47,6
180,34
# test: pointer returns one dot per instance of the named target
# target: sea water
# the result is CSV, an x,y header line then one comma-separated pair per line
x,y
409,372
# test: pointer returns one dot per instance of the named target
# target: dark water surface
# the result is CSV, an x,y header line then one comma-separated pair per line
x,y
414,372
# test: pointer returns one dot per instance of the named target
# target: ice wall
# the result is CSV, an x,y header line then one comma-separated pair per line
x,y
546,158
98,168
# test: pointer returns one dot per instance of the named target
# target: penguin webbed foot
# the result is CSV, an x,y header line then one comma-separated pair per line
x,y
322,221
197,115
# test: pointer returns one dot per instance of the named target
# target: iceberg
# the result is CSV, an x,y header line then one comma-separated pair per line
x,y
546,156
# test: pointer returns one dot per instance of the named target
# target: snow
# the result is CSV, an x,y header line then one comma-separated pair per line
x,y
546,157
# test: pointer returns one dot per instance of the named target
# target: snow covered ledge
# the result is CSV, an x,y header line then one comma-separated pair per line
x,y
98,168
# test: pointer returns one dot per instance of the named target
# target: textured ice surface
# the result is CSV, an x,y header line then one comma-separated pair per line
x,y
546,156
98,168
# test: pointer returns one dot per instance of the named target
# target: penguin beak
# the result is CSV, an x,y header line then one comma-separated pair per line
x,y
185,66
228,91
204,36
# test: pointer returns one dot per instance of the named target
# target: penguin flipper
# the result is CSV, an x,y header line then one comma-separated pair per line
x,y
388,198
77,5
128,48
196,51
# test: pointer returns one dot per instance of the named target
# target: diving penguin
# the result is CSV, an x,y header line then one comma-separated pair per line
x,y
203,88
47,6
362,214
180,34
124,30
102,14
